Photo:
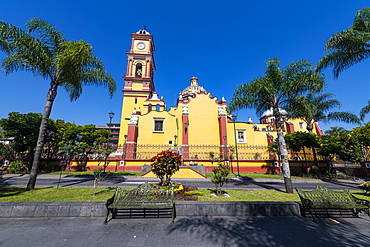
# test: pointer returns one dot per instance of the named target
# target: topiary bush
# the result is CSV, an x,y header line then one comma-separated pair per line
x,y
165,164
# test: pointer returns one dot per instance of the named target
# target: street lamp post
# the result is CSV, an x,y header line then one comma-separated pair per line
x,y
111,115
175,144
125,147
236,145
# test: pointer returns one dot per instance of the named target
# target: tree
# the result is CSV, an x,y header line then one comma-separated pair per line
x,y
348,47
165,164
314,107
345,147
276,90
221,172
365,110
362,134
66,64
336,131
24,129
299,141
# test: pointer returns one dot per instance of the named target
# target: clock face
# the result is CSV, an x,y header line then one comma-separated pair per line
x,y
141,46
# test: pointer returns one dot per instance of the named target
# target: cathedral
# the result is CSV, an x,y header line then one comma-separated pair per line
x,y
199,127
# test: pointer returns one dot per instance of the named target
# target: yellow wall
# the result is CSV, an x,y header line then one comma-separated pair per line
x,y
203,121
128,106
146,134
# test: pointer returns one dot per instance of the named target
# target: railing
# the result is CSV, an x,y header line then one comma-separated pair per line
x,y
204,152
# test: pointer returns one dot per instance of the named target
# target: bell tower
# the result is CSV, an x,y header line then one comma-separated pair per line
x,y
138,81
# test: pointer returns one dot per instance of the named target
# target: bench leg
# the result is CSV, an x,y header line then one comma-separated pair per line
x,y
313,217
106,217
173,213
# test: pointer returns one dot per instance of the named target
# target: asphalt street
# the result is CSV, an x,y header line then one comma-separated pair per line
x,y
134,181
186,231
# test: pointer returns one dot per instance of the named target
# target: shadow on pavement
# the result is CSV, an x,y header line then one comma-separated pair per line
x,y
274,231
271,185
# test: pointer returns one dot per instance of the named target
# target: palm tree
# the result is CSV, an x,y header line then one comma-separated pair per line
x,y
67,64
337,131
365,110
275,90
314,107
348,47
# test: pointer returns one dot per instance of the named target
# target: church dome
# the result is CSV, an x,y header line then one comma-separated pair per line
x,y
193,88
271,113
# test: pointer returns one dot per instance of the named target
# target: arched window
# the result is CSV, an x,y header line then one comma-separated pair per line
x,y
139,70
158,108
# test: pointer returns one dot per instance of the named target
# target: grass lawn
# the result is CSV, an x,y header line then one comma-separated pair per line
x,y
8,194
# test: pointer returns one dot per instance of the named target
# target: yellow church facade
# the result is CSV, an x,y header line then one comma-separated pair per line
x,y
198,127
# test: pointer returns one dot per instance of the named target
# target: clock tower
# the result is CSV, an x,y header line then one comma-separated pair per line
x,y
138,81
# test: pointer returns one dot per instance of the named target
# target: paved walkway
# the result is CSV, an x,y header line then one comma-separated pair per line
x,y
133,181
186,231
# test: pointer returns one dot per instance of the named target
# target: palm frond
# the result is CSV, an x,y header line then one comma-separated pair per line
x,y
365,110
349,47
345,117
47,33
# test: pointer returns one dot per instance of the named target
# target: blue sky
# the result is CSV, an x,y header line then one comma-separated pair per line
x,y
223,43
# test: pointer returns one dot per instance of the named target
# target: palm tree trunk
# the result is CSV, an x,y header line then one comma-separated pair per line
x,y
283,153
310,130
285,163
40,140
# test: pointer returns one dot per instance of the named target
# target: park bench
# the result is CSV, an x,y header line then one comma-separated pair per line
x,y
145,201
324,201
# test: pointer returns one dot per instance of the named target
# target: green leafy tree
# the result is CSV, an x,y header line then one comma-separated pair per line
x,y
362,134
24,128
275,90
345,147
165,164
299,141
349,47
6,153
221,172
44,51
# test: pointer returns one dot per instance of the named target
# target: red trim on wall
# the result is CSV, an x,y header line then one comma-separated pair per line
x,y
222,120
131,138
319,131
289,128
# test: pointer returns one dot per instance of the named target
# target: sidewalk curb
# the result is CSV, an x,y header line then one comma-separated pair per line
x,y
183,208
